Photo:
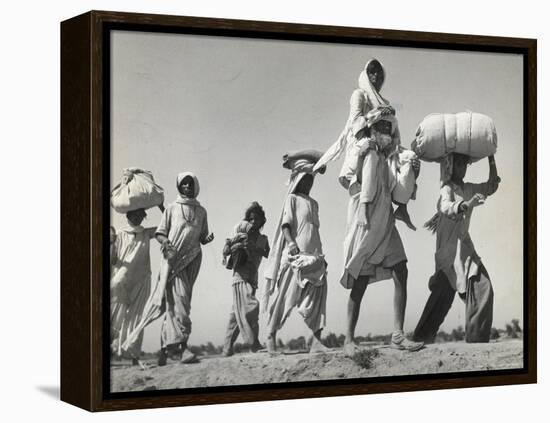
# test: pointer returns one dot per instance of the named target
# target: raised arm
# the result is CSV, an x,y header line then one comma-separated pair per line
x,y
490,187
494,180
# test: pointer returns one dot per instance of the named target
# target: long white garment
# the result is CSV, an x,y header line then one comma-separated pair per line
x,y
372,252
185,224
130,285
300,281
272,269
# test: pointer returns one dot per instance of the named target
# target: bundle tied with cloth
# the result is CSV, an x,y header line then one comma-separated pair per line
x,y
308,267
468,133
136,190
439,135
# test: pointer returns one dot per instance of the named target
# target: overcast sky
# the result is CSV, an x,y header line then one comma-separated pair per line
x,y
229,108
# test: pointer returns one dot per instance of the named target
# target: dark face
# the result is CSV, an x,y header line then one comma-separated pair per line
x,y
187,187
383,126
375,74
374,79
256,221
460,164
305,184
135,217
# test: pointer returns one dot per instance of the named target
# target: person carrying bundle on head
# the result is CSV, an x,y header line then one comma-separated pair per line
x,y
458,266
130,259
296,269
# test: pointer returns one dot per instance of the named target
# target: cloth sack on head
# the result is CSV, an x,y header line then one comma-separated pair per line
x,y
468,133
137,190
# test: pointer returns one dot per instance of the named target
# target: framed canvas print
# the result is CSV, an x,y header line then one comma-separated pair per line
x,y
258,210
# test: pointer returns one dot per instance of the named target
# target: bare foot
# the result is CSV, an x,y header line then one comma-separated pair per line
x,y
317,347
137,362
401,213
350,348
188,357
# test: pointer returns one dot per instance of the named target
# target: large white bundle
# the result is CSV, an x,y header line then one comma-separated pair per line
x,y
137,190
468,133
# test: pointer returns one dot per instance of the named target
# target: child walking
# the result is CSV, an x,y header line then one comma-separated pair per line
x,y
244,253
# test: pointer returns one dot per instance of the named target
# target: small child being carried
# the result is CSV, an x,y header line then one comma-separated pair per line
x,y
235,253
375,133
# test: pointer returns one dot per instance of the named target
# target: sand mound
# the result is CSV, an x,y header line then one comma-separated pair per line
x,y
243,369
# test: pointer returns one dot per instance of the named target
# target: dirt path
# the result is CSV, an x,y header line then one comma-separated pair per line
x,y
261,368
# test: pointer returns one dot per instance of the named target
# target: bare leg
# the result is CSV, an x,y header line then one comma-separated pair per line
x,y
271,343
398,341
400,274
354,306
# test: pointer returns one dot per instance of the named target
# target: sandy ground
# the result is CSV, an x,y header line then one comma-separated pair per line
x,y
259,368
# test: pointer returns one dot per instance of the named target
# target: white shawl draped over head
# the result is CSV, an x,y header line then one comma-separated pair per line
x,y
299,168
153,308
375,100
183,199
374,97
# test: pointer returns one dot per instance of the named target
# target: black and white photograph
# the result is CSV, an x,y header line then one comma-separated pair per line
x,y
290,211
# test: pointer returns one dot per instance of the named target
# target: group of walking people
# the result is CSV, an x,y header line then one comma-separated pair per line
x,y
380,178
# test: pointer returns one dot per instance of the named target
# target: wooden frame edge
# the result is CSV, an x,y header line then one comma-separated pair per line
x,y
81,310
